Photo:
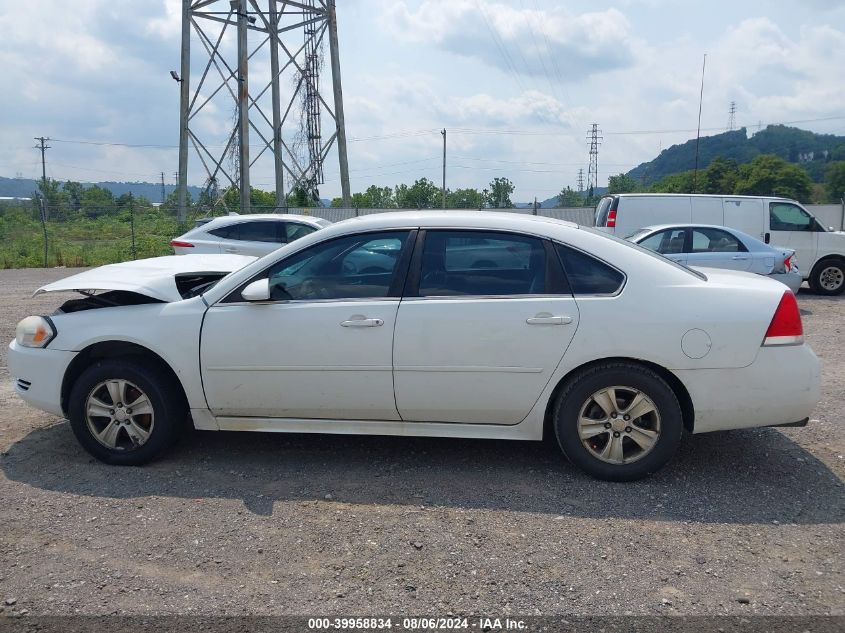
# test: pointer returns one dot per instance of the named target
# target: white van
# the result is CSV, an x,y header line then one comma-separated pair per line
x,y
820,251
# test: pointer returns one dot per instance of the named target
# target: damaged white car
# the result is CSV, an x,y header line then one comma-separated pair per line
x,y
459,324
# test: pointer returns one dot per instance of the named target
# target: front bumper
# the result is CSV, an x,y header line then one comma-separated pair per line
x,y
37,375
782,385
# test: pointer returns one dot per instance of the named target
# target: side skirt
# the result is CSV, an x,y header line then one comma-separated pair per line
x,y
521,431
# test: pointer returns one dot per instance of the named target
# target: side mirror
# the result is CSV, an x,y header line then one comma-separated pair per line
x,y
258,290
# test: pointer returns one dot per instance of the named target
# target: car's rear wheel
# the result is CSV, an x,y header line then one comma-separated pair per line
x,y
828,277
618,421
125,412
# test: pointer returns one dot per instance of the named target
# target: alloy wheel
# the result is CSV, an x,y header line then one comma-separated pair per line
x,y
119,415
619,425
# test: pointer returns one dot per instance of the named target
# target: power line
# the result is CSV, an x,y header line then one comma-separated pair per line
x,y
457,130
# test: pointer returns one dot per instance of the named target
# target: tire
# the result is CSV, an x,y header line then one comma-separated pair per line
x,y
658,426
828,277
127,438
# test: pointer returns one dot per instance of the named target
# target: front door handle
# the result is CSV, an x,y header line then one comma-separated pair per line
x,y
230,249
543,319
361,322
742,257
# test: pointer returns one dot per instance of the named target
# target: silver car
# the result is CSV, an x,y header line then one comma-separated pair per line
x,y
710,246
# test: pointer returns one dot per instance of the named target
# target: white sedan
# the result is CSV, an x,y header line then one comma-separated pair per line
x,y
552,327
256,234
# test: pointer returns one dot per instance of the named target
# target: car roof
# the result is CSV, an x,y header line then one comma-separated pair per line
x,y
234,219
436,218
688,225
692,195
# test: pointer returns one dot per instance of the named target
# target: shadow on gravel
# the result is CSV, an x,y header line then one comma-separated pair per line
x,y
749,476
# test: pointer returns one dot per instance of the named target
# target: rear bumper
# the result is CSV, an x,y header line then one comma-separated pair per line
x,y
782,385
37,375
792,280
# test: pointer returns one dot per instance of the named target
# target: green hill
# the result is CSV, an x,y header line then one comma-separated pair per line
x,y
812,151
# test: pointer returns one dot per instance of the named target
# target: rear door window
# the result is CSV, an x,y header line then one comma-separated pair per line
x,y
477,263
260,231
706,240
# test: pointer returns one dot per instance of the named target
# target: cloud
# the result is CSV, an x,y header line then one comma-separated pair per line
x,y
565,47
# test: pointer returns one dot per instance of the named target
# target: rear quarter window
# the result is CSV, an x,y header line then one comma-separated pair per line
x,y
588,275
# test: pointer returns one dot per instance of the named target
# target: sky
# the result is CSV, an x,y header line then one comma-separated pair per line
x,y
515,83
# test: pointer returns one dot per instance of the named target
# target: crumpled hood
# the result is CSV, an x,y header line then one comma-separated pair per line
x,y
154,277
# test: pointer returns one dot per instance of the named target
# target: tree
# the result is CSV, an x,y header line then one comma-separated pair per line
x,y
499,194
380,197
74,193
96,201
423,194
674,183
834,180
720,176
622,183
299,197
464,199
568,197
768,175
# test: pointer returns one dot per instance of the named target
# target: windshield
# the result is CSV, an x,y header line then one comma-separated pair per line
x,y
639,248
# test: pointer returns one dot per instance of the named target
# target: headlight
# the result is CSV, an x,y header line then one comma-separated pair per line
x,y
35,331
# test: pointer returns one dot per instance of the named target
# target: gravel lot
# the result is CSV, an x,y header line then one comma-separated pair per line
x,y
747,522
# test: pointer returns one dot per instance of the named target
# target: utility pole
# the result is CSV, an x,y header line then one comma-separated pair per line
x,y
162,188
243,105
595,138
184,112
334,53
278,164
698,133
443,188
43,147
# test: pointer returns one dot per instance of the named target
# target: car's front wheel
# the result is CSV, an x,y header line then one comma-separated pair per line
x,y
125,412
618,421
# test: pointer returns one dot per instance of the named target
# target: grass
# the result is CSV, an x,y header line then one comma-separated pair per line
x,y
83,241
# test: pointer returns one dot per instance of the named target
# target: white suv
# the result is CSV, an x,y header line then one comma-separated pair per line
x,y
254,234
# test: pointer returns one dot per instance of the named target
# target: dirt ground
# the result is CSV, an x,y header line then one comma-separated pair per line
x,y
747,522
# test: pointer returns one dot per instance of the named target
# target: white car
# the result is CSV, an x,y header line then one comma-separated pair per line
x,y
255,234
610,346
710,246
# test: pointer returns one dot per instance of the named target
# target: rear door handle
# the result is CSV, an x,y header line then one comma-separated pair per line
x,y
230,249
362,323
742,257
549,320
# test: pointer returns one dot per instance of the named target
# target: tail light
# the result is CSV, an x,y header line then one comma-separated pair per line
x,y
785,328
611,219
789,262
182,244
